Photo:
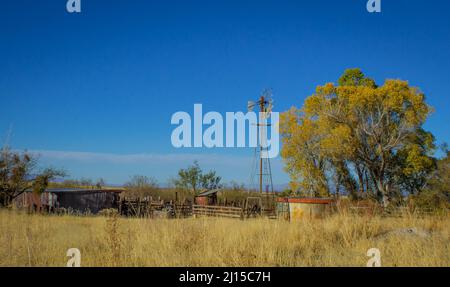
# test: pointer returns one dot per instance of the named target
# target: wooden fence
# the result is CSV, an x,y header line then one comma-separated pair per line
x,y
218,211
139,208
151,209
230,211
160,209
183,210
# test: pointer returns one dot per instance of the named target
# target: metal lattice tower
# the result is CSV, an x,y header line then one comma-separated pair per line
x,y
261,169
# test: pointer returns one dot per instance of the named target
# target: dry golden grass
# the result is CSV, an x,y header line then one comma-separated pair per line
x,y
341,240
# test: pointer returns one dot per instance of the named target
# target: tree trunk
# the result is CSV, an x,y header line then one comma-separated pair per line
x,y
360,180
384,190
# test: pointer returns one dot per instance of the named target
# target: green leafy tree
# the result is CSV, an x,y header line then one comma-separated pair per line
x,y
189,178
19,173
192,178
210,180
436,193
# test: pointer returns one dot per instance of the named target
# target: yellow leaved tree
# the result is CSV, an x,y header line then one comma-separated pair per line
x,y
358,138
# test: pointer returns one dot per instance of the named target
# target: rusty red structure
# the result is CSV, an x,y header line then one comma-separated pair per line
x,y
208,197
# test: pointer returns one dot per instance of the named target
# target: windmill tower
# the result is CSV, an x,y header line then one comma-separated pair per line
x,y
261,170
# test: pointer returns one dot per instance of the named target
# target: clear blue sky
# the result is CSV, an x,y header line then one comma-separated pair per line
x,y
94,92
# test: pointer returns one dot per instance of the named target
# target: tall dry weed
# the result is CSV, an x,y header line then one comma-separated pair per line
x,y
338,240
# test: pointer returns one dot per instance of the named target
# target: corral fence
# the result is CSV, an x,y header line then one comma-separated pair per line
x,y
153,209
183,210
217,211
160,209
231,212
148,208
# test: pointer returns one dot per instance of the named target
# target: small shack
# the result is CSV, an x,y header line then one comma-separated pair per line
x,y
293,209
76,199
208,197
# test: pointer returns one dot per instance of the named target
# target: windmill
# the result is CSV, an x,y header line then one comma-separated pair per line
x,y
261,166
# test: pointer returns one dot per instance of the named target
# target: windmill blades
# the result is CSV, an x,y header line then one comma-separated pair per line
x,y
267,94
250,106
269,108
270,105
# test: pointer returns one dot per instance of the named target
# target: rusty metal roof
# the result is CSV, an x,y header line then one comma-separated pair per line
x,y
209,192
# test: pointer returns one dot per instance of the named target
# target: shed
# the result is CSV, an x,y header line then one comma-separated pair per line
x,y
208,197
77,199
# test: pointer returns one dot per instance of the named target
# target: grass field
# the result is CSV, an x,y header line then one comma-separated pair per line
x,y
341,240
